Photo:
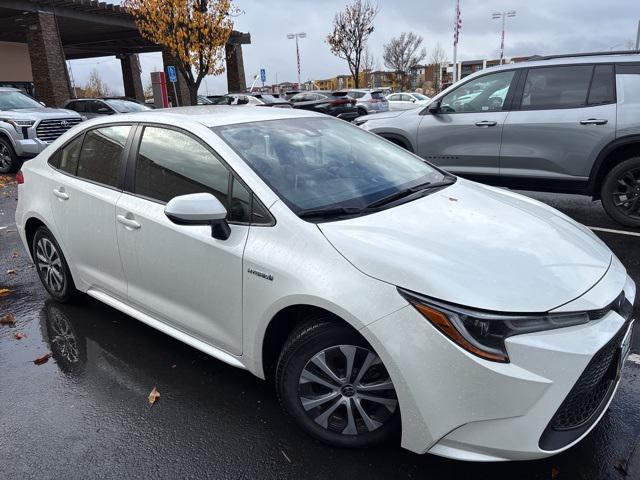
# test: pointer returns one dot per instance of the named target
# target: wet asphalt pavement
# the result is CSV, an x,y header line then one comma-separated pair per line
x,y
84,413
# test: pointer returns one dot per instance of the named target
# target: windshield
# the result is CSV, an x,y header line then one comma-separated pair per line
x,y
126,106
314,163
419,96
16,100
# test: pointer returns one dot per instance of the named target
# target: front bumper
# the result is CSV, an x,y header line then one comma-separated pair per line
x,y
457,405
29,147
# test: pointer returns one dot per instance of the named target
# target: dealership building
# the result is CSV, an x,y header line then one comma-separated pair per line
x,y
37,37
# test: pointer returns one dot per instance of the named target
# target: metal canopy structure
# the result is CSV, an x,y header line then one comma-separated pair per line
x,y
88,28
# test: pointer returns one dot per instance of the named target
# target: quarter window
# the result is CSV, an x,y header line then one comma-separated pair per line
x,y
484,94
66,159
556,87
101,154
171,164
602,89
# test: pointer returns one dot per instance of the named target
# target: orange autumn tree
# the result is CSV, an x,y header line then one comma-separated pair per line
x,y
193,31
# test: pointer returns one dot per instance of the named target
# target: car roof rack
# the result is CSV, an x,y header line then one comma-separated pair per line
x,y
584,54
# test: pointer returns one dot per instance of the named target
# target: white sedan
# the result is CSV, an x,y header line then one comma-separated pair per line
x,y
383,296
407,100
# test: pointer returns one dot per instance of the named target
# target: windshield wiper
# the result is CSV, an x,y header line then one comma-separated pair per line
x,y
409,191
331,212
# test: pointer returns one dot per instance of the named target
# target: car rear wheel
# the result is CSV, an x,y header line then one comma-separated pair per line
x,y
362,111
9,161
52,267
334,385
620,192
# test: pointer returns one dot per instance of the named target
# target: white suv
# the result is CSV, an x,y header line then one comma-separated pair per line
x,y
381,294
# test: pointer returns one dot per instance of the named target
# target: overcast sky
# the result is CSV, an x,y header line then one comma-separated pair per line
x,y
540,27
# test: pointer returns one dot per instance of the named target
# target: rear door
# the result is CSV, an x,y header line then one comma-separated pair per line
x,y
85,188
464,135
562,118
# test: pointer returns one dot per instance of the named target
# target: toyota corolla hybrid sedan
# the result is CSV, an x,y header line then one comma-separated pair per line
x,y
385,297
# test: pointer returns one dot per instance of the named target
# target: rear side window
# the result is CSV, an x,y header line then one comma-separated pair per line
x,y
556,87
101,154
171,163
377,95
66,159
602,85
356,94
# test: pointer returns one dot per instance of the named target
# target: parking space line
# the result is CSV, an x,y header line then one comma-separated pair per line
x,y
610,230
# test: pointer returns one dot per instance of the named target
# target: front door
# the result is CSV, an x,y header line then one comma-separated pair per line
x,y
463,137
180,274
83,196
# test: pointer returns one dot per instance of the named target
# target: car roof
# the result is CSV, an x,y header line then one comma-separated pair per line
x,y
209,115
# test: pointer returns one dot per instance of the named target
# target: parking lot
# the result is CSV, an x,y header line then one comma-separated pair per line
x,y
84,413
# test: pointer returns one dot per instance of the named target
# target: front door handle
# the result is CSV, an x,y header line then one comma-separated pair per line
x,y
128,221
486,123
61,193
594,121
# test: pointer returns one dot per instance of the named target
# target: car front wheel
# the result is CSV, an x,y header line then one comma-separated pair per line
x,y
620,192
335,386
9,161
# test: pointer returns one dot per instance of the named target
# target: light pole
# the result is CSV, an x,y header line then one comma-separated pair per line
x,y
291,36
503,16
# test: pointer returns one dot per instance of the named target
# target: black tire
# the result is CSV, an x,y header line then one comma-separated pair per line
x,y
620,193
362,112
321,335
55,276
9,161
68,345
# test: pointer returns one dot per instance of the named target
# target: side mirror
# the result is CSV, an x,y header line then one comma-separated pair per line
x,y
434,108
199,209
105,110
413,100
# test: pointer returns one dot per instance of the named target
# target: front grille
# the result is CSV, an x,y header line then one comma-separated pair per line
x,y
49,130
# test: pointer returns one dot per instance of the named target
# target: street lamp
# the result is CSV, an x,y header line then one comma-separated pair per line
x,y
291,36
503,16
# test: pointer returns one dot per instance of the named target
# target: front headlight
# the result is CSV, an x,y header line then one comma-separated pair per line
x,y
483,333
18,124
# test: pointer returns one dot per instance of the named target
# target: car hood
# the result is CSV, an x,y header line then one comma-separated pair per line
x,y
476,246
383,115
38,113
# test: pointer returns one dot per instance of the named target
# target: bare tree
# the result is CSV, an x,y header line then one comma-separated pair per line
x,y
437,58
403,53
351,30
369,64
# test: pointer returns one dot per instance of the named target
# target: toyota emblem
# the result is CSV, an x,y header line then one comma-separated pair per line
x,y
64,123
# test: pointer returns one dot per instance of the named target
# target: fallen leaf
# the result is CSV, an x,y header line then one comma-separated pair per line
x,y
4,292
451,199
11,271
19,335
154,396
554,473
15,254
8,319
42,359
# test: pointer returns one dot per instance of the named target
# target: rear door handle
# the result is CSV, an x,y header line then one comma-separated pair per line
x,y
61,193
486,123
128,221
594,121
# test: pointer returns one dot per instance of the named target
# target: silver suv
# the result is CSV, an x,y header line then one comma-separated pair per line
x,y
559,124
368,100
27,127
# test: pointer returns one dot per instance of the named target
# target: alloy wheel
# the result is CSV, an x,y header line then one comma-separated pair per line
x,y
346,389
5,158
50,265
62,337
626,195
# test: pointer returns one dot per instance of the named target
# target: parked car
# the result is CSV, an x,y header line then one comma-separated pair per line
x,y
407,100
202,100
562,124
369,101
94,107
28,126
336,104
343,268
255,99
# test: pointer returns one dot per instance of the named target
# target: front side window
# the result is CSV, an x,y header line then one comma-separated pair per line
x,y
556,87
171,163
101,154
66,159
313,163
483,94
